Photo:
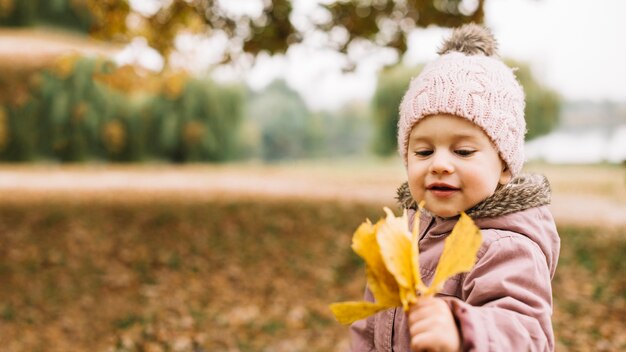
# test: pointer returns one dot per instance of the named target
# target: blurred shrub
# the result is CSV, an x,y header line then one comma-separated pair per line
x,y
195,120
72,14
281,127
89,109
82,109
4,128
542,104
281,124
392,83
347,131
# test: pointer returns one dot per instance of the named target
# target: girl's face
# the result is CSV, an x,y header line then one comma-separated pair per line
x,y
452,165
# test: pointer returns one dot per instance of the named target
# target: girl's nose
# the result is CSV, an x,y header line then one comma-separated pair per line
x,y
441,163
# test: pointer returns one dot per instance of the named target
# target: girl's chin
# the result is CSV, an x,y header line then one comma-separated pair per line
x,y
443,213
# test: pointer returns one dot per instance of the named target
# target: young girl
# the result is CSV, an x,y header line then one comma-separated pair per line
x,y
461,136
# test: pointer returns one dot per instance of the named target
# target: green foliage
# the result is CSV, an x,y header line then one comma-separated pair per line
x,y
392,83
86,109
347,131
280,127
285,128
200,124
66,13
70,109
80,111
543,105
19,142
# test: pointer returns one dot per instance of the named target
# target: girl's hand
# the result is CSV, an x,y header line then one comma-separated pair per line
x,y
432,326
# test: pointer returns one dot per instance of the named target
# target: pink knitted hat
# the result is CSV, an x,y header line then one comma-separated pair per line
x,y
469,80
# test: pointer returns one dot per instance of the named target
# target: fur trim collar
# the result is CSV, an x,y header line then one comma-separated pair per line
x,y
523,192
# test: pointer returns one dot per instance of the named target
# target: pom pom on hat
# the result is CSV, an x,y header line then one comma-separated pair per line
x,y
471,39
470,81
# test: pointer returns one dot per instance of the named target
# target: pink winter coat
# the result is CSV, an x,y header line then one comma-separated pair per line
x,y
505,302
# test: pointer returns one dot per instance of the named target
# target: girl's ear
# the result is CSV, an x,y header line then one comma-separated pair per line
x,y
505,175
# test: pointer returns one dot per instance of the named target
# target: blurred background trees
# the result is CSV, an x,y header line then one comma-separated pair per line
x,y
392,84
280,126
74,108
268,27
89,109
543,105
73,15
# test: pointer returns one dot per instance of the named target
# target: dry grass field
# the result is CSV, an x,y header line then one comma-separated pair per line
x,y
582,195
243,257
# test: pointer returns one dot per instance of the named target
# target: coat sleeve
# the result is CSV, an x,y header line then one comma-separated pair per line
x,y
362,331
507,299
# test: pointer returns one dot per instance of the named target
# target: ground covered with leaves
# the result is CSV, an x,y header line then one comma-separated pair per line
x,y
232,275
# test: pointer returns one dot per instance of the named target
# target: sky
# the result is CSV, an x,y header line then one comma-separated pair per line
x,y
574,46
577,47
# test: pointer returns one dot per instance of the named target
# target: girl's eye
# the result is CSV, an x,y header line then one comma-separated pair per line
x,y
423,152
465,152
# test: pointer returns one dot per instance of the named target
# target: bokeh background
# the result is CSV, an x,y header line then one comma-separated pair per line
x,y
186,175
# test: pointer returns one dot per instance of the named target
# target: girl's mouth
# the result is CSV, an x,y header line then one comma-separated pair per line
x,y
442,190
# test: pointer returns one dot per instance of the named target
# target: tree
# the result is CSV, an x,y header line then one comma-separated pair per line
x,y
74,15
283,126
392,83
543,105
378,23
346,131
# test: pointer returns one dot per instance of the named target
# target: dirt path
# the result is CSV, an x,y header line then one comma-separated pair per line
x,y
35,47
128,183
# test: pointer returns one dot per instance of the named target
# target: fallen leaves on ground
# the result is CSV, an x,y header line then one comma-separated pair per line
x,y
232,275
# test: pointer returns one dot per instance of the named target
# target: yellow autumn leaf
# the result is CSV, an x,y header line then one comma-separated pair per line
x,y
395,248
391,254
394,239
364,244
417,276
379,279
459,253
383,293
349,312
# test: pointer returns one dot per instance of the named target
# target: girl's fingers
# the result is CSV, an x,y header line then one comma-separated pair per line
x,y
432,327
419,327
424,308
423,342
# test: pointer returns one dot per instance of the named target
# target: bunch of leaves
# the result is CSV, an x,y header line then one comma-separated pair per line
x,y
390,251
